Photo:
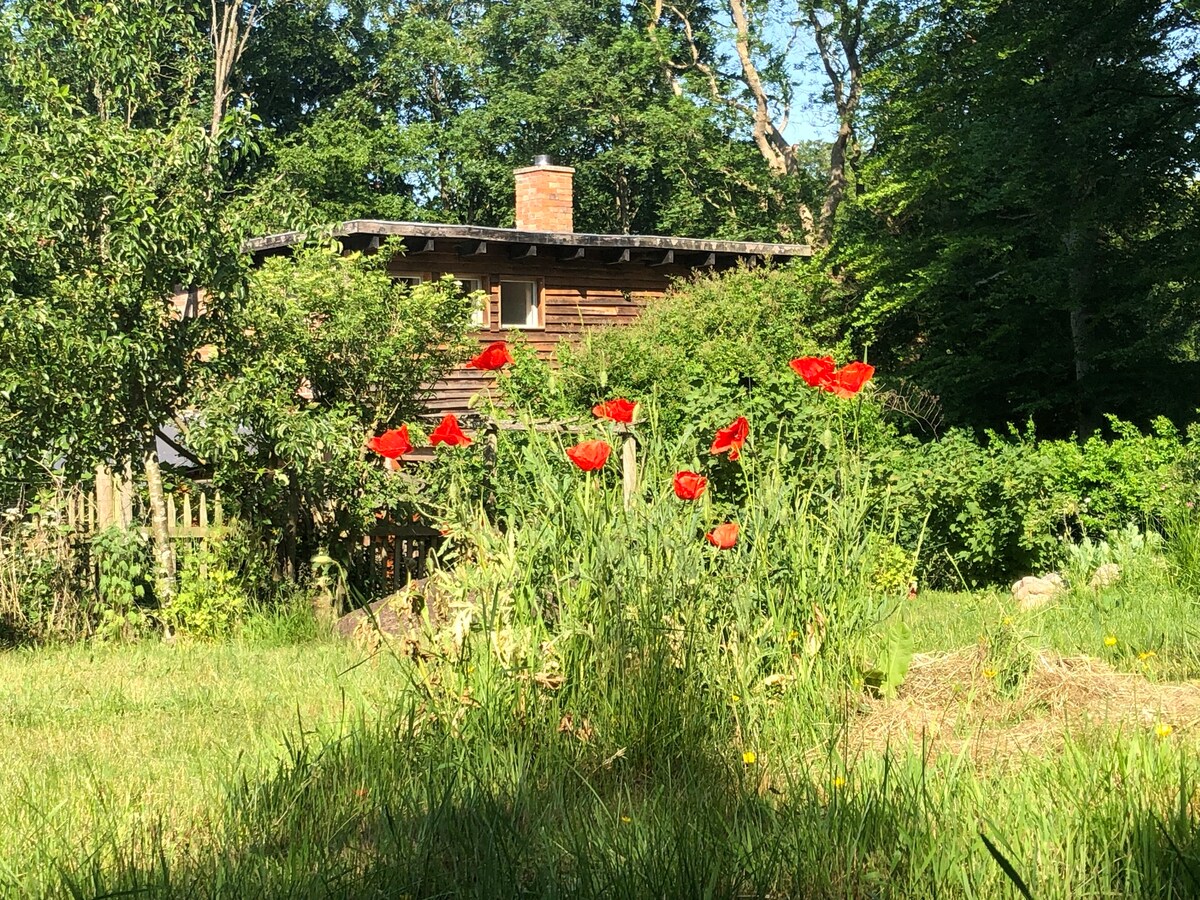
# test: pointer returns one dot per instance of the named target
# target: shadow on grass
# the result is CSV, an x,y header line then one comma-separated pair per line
x,y
650,797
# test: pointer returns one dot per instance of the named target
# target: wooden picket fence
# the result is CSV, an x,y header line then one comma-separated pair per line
x,y
192,513
198,520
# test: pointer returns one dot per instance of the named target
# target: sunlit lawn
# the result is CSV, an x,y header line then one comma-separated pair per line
x,y
159,748
100,736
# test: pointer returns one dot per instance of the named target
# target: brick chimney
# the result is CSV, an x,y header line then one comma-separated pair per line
x,y
544,196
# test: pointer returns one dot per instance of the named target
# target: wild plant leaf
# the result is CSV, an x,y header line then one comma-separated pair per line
x,y
896,657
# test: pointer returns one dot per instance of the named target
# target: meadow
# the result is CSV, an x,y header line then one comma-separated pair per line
x,y
599,701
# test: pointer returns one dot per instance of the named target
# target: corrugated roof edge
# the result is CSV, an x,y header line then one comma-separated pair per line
x,y
379,228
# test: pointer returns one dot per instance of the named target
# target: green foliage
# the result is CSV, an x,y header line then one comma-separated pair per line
x,y
329,350
211,601
114,203
894,659
1019,252
894,569
1182,533
708,341
981,511
46,584
1132,476
434,104
122,558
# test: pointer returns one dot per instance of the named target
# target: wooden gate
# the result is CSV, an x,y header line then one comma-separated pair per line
x,y
391,555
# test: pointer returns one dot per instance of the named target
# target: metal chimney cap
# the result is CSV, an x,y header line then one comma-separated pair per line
x,y
543,159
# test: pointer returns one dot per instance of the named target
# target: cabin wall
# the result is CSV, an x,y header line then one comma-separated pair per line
x,y
575,295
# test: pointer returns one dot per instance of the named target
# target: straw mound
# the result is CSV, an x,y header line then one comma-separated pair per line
x,y
947,705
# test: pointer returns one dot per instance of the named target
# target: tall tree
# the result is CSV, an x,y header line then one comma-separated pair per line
x,y
448,98
114,159
1026,243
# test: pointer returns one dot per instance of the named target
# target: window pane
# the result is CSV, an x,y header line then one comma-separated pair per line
x,y
518,304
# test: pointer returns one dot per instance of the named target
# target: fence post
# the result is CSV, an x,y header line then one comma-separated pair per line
x,y
629,467
125,497
491,441
104,497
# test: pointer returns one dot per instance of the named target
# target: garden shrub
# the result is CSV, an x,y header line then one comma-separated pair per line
x,y
210,602
718,333
122,558
981,510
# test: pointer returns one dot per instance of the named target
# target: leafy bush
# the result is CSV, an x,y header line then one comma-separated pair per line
x,y
122,558
709,338
328,350
211,601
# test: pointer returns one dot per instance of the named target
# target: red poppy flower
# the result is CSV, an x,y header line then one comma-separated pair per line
x,y
723,536
619,410
689,485
731,438
589,455
494,356
392,444
813,369
849,379
448,433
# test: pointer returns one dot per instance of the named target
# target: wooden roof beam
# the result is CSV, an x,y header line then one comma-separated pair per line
x,y
472,248
419,245
615,258
523,251
666,258
570,254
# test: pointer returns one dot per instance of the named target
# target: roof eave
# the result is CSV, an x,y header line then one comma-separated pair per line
x,y
380,228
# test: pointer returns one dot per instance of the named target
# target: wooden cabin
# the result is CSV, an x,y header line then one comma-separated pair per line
x,y
541,278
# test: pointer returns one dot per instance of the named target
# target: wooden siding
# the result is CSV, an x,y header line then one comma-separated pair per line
x,y
576,294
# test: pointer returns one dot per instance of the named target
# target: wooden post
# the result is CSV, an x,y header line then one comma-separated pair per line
x,y
125,498
629,467
170,513
489,460
104,497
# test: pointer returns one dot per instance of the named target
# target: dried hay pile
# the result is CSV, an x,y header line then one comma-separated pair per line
x,y
948,706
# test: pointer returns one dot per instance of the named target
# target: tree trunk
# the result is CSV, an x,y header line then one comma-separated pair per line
x,y
835,190
1079,242
164,558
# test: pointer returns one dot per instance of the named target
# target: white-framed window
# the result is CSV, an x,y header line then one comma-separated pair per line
x,y
470,284
410,280
520,304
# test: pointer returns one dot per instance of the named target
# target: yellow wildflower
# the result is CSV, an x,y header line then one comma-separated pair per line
x,y
1163,729
1110,640
626,819
735,698
1146,655
839,781
793,635
989,673
749,758
1007,620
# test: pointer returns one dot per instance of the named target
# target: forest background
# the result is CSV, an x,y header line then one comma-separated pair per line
x,y
1003,206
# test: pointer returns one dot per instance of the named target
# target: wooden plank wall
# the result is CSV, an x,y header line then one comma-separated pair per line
x,y
576,294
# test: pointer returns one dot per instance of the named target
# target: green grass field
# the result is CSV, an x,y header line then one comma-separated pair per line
x,y
104,742
310,768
